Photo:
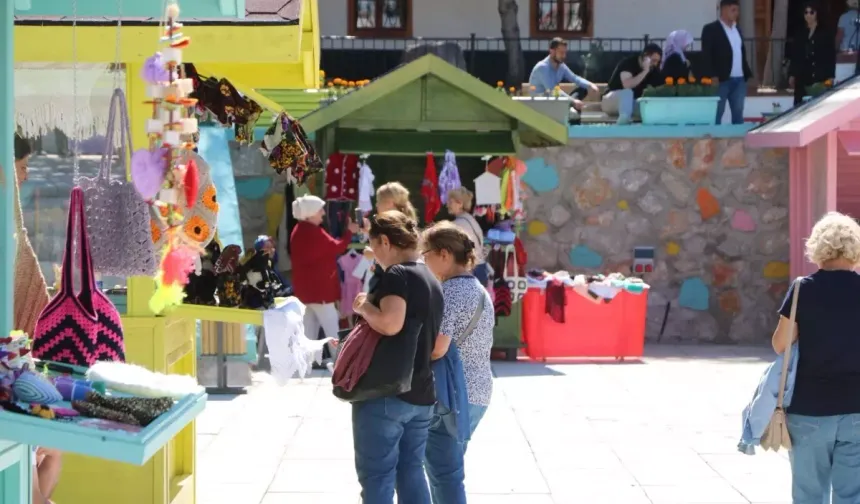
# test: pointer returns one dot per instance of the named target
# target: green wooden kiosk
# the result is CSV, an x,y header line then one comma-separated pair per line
x,y
429,105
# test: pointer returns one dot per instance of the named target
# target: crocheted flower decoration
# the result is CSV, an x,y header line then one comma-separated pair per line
x,y
154,70
197,229
147,171
210,198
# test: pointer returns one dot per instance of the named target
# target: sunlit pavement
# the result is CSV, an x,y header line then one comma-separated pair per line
x,y
659,431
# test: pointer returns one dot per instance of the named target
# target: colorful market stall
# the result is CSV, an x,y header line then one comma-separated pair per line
x,y
424,110
823,140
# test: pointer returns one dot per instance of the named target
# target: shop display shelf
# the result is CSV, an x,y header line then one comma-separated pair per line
x,y
220,314
132,448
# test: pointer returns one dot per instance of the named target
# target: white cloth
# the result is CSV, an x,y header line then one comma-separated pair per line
x,y
365,187
290,351
322,316
46,98
737,47
306,206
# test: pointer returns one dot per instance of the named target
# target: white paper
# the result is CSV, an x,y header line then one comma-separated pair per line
x,y
154,126
362,268
172,137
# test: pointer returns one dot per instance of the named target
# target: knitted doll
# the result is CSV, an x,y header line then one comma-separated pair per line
x,y
228,277
256,278
202,285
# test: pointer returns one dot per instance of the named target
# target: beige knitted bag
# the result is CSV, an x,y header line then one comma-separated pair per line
x,y
31,291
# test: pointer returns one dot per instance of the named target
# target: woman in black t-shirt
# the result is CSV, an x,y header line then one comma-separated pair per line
x,y
390,433
824,412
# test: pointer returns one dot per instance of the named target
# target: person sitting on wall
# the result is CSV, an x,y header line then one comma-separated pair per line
x,y
675,64
552,70
632,75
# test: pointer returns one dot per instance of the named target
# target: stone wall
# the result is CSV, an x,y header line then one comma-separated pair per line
x,y
716,214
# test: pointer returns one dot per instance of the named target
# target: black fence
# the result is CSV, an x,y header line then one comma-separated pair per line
x,y
486,58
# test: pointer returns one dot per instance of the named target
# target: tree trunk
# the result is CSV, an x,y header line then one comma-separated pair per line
x,y
508,10
776,52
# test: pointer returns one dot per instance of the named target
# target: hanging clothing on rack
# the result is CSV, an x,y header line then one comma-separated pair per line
x,y
365,187
288,149
449,179
341,177
430,190
351,286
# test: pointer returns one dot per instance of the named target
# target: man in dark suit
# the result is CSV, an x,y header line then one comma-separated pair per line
x,y
724,60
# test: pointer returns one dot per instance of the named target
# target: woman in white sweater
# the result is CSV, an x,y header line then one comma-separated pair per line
x,y
460,206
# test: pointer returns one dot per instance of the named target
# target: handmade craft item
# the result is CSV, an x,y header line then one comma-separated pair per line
x,y
171,131
83,327
33,388
15,353
141,382
144,409
117,215
228,275
73,389
202,284
287,148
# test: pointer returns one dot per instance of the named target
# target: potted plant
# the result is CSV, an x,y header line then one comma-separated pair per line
x,y
685,102
553,103
817,89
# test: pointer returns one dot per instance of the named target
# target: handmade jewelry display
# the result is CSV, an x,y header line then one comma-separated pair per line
x,y
166,174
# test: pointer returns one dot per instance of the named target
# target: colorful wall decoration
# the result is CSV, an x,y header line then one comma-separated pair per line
x,y
715,213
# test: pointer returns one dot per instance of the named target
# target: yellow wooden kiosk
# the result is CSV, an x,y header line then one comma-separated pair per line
x,y
258,50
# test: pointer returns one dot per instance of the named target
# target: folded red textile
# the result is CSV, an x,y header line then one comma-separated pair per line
x,y
355,356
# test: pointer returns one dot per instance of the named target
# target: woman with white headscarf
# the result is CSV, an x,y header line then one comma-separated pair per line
x,y
675,64
314,254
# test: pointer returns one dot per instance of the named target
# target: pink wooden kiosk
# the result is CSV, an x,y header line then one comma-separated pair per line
x,y
823,138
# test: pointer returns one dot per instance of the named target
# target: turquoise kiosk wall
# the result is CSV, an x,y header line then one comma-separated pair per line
x,y
215,149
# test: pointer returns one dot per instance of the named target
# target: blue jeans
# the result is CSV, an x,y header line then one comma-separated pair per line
x,y
445,465
734,91
825,452
390,437
476,413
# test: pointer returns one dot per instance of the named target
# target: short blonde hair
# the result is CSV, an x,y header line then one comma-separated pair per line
x,y
399,197
462,196
834,236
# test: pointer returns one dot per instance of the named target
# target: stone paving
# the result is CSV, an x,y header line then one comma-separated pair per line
x,y
660,431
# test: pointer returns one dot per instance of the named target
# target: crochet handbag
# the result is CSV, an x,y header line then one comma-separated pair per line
x,y
30,288
84,327
776,433
118,216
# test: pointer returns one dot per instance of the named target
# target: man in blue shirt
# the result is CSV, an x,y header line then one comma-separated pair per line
x,y
552,70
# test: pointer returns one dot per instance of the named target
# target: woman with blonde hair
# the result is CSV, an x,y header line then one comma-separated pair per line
x,y
394,196
390,196
460,206
390,432
824,412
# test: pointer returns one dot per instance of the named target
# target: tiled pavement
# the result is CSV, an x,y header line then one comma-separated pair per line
x,y
661,431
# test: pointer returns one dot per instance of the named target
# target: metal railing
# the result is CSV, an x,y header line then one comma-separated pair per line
x,y
353,58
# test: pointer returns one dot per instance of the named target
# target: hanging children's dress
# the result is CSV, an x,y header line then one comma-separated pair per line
x,y
365,187
449,179
351,286
430,191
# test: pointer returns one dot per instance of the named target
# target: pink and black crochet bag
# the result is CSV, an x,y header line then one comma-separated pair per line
x,y
78,328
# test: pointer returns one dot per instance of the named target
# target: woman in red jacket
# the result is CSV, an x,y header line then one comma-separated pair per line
x,y
314,256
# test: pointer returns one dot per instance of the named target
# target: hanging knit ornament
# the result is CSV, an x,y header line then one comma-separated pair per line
x,y
449,179
167,177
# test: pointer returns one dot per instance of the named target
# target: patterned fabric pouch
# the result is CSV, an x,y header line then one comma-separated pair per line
x,y
78,328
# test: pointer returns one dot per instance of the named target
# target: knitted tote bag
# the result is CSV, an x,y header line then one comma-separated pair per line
x,y
84,327
30,289
118,216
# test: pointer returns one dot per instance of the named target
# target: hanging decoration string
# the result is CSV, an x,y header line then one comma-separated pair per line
x,y
76,133
118,58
